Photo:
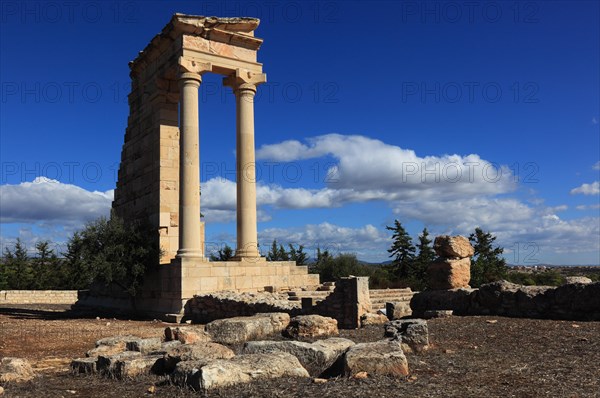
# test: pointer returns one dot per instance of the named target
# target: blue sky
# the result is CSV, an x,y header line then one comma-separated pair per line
x,y
449,115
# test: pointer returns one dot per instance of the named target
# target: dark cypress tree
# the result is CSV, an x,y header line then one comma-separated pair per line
x,y
402,250
487,264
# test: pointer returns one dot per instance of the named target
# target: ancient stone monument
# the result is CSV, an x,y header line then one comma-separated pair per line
x,y
159,174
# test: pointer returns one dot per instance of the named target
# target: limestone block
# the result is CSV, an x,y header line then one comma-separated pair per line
x,y
453,246
201,351
449,274
186,334
412,333
241,329
317,357
128,368
15,370
84,365
107,364
241,369
311,326
378,358
144,346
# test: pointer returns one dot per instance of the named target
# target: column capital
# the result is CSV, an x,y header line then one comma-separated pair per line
x,y
191,66
243,79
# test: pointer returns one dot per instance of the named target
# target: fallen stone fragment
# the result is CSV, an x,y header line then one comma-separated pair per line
x,y
107,364
15,370
318,357
186,334
84,365
242,329
378,358
129,368
1,390
577,279
397,310
110,346
144,346
218,373
373,319
166,347
311,326
361,375
438,314
199,352
412,333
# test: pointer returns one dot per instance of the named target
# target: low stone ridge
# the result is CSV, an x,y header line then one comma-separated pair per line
x,y
203,352
577,279
242,329
397,310
447,246
210,307
187,334
15,370
311,326
373,319
240,369
166,347
320,358
574,301
412,333
379,358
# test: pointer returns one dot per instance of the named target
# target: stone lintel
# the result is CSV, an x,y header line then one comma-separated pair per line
x,y
235,32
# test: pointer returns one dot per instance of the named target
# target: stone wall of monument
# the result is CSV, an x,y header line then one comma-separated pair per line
x,y
347,303
38,296
574,301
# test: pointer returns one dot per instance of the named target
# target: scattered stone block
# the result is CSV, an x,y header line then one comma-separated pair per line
x,y
429,314
378,358
110,346
145,346
241,369
84,365
107,364
311,326
199,352
412,333
186,334
166,347
397,310
242,329
129,368
446,273
318,358
373,319
453,246
15,370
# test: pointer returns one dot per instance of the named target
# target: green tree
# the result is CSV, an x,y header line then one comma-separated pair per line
x,y
421,262
402,250
487,264
46,267
115,253
277,252
18,267
298,255
224,254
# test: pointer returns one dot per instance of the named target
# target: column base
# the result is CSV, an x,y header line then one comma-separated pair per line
x,y
247,255
190,253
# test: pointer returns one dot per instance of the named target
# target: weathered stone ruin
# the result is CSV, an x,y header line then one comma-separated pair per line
x,y
452,269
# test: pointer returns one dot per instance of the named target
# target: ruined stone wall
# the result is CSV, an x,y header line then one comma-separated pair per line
x,y
348,302
575,301
38,296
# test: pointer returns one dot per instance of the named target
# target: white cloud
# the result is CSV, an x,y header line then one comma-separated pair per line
x,y
588,207
587,189
596,166
365,241
594,120
50,201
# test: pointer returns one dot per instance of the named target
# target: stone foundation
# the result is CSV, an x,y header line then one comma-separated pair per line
x,y
38,296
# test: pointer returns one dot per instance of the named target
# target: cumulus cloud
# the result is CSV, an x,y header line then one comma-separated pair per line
x,y
587,189
50,201
377,170
596,166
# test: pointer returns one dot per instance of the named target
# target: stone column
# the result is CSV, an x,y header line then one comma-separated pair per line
x,y
190,242
244,87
